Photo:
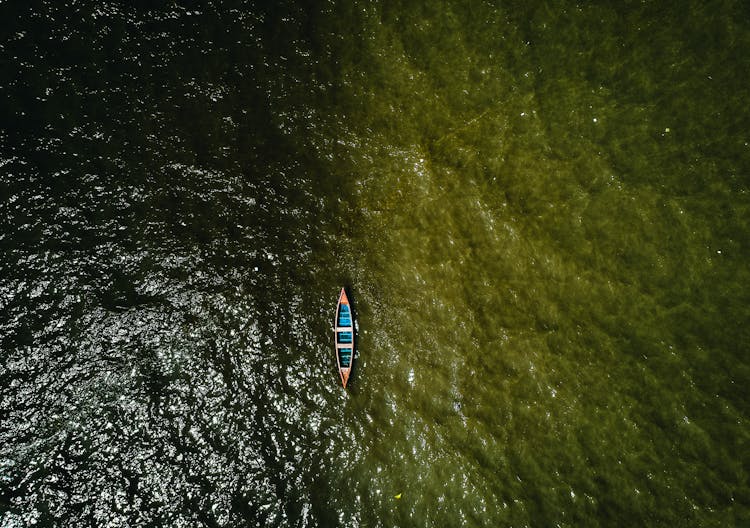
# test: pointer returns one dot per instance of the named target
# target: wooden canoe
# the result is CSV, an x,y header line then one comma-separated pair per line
x,y
343,339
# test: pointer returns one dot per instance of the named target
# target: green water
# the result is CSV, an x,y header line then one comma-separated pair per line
x,y
540,211
556,206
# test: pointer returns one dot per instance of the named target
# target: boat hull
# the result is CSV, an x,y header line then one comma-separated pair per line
x,y
343,337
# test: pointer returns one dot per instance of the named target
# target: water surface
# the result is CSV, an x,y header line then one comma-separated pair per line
x,y
539,210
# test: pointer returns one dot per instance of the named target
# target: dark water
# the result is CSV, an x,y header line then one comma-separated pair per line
x,y
541,212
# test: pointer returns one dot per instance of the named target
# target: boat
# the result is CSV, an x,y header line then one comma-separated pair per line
x,y
344,337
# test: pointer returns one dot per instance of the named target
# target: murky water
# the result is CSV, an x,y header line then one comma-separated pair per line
x,y
540,212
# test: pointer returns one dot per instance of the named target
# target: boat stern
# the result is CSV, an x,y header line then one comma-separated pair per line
x,y
345,375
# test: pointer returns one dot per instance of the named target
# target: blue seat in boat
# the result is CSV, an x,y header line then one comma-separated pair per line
x,y
345,337
345,357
